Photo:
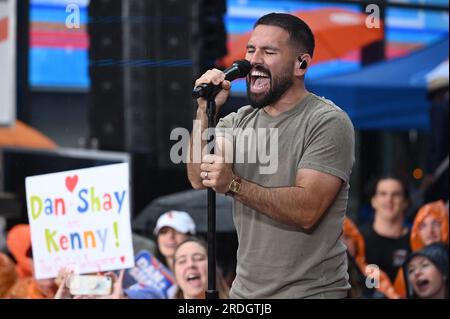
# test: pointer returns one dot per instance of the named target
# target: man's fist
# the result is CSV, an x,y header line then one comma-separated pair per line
x,y
215,173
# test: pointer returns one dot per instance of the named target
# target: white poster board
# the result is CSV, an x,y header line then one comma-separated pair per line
x,y
80,219
7,62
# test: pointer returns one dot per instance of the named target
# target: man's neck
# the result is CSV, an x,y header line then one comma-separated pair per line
x,y
389,228
288,100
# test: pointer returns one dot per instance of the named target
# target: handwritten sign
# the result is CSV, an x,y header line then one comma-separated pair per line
x,y
80,219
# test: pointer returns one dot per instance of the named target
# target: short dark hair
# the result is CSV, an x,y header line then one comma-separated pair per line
x,y
299,32
372,188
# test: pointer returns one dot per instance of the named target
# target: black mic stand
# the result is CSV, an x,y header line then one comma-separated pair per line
x,y
212,292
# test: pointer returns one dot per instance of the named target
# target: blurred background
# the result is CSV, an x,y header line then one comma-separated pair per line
x,y
89,83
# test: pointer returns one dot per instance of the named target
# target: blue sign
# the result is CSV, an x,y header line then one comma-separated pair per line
x,y
149,279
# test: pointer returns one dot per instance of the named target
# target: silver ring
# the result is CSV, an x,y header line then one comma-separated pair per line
x,y
206,175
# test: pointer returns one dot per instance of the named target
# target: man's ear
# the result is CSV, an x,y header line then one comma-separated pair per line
x,y
302,64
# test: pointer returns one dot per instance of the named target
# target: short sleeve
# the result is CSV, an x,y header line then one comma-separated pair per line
x,y
330,146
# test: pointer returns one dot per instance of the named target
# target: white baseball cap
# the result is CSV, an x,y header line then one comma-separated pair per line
x,y
178,220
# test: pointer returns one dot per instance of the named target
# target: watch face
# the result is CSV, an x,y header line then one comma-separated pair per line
x,y
235,186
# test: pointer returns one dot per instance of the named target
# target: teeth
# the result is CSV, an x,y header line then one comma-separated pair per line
x,y
190,277
259,73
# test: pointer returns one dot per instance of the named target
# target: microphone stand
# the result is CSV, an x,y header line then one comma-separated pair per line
x,y
240,69
212,292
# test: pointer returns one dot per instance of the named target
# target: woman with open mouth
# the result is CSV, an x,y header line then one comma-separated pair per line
x,y
427,273
191,270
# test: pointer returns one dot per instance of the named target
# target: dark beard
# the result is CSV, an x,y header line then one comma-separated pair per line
x,y
278,86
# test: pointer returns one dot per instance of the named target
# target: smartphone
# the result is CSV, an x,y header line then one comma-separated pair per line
x,y
90,285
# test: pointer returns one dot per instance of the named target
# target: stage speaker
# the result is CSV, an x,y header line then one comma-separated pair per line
x,y
144,58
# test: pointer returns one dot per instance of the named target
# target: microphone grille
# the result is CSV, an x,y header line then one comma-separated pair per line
x,y
244,67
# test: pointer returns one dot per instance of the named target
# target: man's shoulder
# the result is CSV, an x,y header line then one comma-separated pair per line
x,y
241,112
321,109
325,104
245,110
233,119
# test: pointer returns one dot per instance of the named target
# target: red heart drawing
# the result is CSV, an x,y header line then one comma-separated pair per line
x,y
122,259
4,29
71,182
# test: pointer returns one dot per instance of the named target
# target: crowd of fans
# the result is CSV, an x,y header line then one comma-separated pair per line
x,y
386,258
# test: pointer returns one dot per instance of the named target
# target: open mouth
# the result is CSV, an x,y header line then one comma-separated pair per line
x,y
194,280
259,81
422,284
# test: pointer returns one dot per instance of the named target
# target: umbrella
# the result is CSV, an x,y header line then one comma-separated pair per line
x,y
192,201
22,135
438,77
337,33
386,95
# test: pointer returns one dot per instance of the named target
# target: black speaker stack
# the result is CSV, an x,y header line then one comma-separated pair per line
x,y
144,58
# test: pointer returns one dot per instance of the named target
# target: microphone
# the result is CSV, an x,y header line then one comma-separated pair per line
x,y
239,69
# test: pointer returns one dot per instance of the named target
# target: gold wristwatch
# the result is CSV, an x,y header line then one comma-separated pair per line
x,y
235,186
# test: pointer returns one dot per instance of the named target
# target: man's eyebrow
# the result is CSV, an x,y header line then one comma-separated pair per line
x,y
266,47
270,48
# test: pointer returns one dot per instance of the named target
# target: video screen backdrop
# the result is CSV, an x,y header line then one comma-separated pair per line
x,y
407,30
59,56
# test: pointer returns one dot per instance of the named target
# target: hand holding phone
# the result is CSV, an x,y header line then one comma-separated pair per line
x,y
90,285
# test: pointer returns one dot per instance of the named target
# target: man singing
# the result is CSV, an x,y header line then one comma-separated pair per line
x,y
288,220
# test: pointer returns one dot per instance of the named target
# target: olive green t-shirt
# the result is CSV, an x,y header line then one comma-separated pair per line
x,y
277,260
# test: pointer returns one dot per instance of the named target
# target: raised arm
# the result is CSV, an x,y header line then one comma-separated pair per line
x,y
197,145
